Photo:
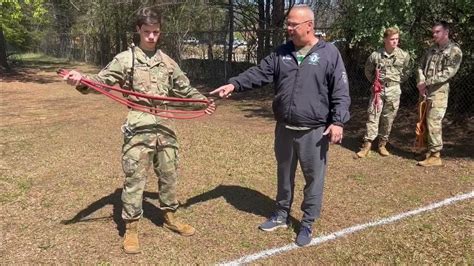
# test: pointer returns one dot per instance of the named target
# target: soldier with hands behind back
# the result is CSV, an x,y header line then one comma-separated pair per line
x,y
386,68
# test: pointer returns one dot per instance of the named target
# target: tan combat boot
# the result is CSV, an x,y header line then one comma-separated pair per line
x,y
364,151
422,156
174,225
382,149
130,241
433,160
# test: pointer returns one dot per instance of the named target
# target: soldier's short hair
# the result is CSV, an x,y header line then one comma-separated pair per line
x,y
442,23
390,31
148,16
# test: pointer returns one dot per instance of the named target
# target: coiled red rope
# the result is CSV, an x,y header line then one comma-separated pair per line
x,y
420,130
377,89
174,114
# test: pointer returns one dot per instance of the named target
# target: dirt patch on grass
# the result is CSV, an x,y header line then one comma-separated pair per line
x,y
61,177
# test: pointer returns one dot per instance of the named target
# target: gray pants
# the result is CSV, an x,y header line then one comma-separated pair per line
x,y
309,147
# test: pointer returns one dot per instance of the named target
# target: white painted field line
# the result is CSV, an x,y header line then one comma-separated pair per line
x,y
318,240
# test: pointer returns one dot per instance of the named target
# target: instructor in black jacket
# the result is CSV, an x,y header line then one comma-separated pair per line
x,y
311,105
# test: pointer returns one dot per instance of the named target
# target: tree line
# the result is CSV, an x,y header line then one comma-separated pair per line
x,y
108,25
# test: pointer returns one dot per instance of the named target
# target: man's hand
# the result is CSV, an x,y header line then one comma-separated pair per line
x,y
421,88
224,91
211,108
73,78
335,133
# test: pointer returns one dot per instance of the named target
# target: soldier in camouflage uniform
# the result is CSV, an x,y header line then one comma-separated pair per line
x,y
148,139
393,65
439,64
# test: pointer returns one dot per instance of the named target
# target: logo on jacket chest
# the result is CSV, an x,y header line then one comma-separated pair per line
x,y
286,58
314,59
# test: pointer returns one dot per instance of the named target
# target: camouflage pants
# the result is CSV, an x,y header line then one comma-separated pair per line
x,y
437,105
380,122
139,152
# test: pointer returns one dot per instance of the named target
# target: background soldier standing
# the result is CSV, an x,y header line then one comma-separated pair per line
x,y
393,66
439,64
147,138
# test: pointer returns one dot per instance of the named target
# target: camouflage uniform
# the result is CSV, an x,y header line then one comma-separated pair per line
x,y
438,65
148,139
394,69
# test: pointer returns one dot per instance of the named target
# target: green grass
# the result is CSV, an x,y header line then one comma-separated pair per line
x,y
14,188
466,178
70,164
40,58
359,177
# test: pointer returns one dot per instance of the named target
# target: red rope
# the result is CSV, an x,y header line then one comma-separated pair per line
x,y
175,114
377,88
420,130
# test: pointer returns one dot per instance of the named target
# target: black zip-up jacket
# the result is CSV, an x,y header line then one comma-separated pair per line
x,y
312,94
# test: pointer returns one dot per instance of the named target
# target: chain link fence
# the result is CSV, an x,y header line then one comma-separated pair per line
x,y
204,57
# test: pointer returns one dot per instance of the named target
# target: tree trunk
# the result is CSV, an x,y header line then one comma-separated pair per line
x,y
268,28
210,43
63,23
261,30
124,41
117,37
231,33
104,47
3,51
278,17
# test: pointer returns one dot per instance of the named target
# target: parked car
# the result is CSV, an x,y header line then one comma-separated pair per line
x,y
240,43
320,34
191,40
237,43
340,43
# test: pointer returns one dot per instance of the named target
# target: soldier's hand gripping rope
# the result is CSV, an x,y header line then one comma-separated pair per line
x,y
166,113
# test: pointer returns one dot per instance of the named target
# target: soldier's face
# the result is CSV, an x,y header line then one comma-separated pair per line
x,y
149,35
391,42
440,35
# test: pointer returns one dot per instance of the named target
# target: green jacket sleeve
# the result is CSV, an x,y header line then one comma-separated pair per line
x,y
405,73
420,77
112,74
369,68
181,86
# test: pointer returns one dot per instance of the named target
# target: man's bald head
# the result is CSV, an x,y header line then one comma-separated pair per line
x,y
302,11
300,26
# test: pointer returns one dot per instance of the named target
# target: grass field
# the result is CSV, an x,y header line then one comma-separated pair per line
x,y
61,181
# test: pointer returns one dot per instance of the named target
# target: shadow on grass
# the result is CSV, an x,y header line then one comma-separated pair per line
x,y
242,198
150,211
28,75
255,110
27,70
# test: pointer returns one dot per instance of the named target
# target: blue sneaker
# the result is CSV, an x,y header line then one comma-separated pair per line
x,y
304,236
274,223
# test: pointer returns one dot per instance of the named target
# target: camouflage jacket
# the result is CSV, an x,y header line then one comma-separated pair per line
x,y
439,64
159,75
394,67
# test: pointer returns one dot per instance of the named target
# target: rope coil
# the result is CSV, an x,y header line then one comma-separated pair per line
x,y
165,113
377,89
421,124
